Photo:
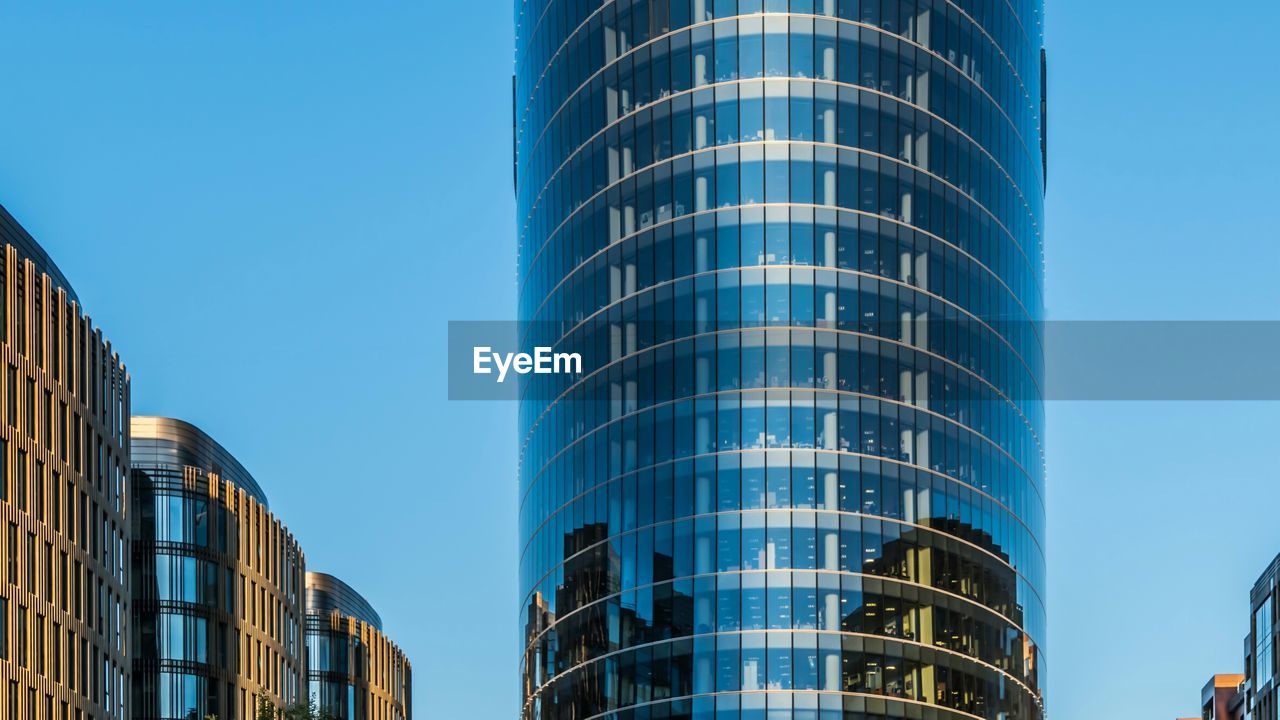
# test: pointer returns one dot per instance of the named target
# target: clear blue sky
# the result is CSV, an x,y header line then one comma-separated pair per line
x,y
274,209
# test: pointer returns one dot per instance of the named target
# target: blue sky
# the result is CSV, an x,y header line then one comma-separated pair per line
x,y
273,210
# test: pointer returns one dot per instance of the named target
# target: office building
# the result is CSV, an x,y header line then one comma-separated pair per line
x,y
1260,645
1252,694
1222,699
64,457
355,672
799,246
218,583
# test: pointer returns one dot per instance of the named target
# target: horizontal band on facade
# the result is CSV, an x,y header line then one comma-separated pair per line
x,y
587,203
839,21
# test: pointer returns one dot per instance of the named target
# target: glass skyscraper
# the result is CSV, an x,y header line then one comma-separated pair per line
x,y
799,246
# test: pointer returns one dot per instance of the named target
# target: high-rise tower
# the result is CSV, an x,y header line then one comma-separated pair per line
x,y
799,246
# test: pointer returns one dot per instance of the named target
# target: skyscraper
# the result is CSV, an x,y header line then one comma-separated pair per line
x,y
354,671
64,456
799,246
218,583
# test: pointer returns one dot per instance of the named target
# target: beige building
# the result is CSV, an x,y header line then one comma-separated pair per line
x,y
355,671
143,575
218,601
64,455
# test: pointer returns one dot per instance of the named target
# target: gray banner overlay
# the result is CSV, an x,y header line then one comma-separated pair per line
x,y
1162,360
465,336
1122,360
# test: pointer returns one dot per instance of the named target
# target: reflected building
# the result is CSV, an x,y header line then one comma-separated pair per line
x,y
798,245
218,583
354,671
64,457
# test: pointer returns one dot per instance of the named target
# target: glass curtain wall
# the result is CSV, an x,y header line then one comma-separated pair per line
x,y
799,246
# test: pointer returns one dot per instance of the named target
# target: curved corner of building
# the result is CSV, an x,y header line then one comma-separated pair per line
x,y
12,233
65,458
166,441
209,561
344,635
327,593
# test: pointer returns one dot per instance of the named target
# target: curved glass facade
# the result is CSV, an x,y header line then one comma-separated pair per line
x,y
354,671
798,244
217,583
64,428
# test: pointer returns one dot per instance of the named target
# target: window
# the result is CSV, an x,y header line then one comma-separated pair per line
x,y
20,649
11,560
20,481
37,491
12,395
55,502
71,660
78,591
39,654
30,420
71,510
62,431
1263,652
55,652
31,562
48,419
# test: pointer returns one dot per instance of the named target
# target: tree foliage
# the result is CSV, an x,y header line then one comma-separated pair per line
x,y
307,710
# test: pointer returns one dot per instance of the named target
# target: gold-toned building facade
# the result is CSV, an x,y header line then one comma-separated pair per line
x,y
218,583
64,426
143,575
355,671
